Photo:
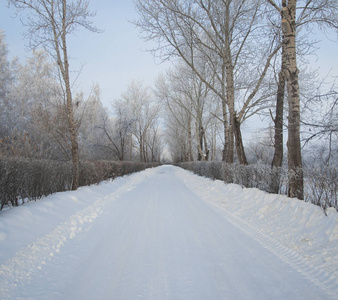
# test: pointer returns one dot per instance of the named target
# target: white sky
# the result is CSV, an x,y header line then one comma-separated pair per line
x,y
115,57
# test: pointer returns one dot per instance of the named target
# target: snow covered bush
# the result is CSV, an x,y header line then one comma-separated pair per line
x,y
251,176
322,186
92,172
23,180
321,183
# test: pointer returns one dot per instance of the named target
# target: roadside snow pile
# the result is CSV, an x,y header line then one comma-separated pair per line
x,y
292,223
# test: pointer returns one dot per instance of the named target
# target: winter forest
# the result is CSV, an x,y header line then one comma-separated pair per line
x,y
231,61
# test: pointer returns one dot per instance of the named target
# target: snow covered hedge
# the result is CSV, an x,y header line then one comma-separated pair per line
x,y
251,176
321,184
26,180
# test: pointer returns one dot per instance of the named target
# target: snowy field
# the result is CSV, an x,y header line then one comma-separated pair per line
x,y
165,233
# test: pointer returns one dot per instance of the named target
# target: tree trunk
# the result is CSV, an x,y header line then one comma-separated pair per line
x,y
213,143
200,153
74,143
226,129
69,103
277,160
239,142
230,95
207,151
278,138
294,148
141,148
72,130
190,155
278,121
229,88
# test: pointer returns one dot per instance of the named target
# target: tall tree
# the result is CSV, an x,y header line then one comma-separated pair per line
x,y
296,188
49,24
324,13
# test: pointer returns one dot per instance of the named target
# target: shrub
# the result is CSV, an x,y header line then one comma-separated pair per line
x,y
321,183
26,180
321,186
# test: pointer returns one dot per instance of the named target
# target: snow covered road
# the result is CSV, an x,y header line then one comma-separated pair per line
x,y
146,236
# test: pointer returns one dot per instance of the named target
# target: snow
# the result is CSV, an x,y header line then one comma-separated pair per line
x,y
165,233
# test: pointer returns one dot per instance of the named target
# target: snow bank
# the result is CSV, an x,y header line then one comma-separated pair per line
x,y
73,210
296,225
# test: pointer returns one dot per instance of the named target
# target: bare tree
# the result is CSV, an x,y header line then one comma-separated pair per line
x,y
177,116
49,24
141,114
187,100
117,131
219,34
321,123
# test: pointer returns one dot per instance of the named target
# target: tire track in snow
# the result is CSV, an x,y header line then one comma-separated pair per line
x,y
24,264
316,275
328,283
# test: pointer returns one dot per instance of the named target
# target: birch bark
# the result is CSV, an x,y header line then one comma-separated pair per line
x,y
296,188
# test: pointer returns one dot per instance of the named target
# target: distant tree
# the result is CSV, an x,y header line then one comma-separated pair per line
x,y
142,113
34,92
5,67
93,117
116,132
6,79
321,125
187,100
178,117
261,147
49,24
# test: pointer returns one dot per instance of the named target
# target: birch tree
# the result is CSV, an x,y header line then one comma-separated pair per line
x,y
294,15
49,25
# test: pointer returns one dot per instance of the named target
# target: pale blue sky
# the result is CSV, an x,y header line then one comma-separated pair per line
x,y
115,57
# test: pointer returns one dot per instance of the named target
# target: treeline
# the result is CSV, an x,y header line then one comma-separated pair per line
x,y
34,122
36,149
